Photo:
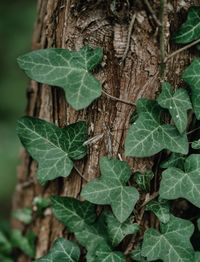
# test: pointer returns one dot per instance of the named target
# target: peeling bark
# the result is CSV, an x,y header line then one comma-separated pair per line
x,y
72,24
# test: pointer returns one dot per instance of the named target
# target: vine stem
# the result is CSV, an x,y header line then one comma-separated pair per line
x,y
192,131
149,198
152,13
80,174
118,99
181,50
162,40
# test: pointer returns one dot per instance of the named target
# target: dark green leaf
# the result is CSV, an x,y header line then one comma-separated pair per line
x,y
160,209
198,224
178,103
118,231
136,255
197,257
172,244
196,144
24,215
5,245
111,189
190,30
62,251
5,259
176,183
147,136
52,147
76,215
174,160
191,76
143,180
41,203
67,69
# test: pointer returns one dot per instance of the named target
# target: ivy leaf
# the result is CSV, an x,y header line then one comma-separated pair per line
x,y
5,259
196,256
198,224
174,160
143,180
109,255
190,30
111,189
62,250
5,245
74,214
118,231
191,76
137,256
196,144
176,183
160,209
41,203
178,103
52,147
172,244
25,243
67,69
24,215
147,136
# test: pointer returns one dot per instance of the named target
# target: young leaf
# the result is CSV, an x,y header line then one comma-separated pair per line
x,y
147,137
191,76
174,160
196,144
41,203
160,209
190,30
62,250
52,147
178,103
24,215
25,243
67,69
143,180
172,244
74,214
111,189
176,183
118,231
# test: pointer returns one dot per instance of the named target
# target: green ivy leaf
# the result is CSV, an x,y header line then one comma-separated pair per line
x,y
67,69
191,76
41,203
198,224
174,160
5,245
24,215
172,244
111,189
178,103
176,183
196,144
143,180
108,256
190,30
160,209
74,214
147,136
196,256
52,147
5,259
137,256
118,231
62,250
25,243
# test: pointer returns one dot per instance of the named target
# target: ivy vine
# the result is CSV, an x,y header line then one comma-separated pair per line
x,y
56,148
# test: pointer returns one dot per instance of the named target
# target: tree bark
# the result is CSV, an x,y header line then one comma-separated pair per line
x,y
72,24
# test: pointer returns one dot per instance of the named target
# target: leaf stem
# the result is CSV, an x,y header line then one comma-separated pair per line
x,y
118,99
181,50
192,131
149,198
80,174
152,13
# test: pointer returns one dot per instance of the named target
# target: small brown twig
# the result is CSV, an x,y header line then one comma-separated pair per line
x,y
79,173
152,13
118,99
193,130
149,198
130,29
181,50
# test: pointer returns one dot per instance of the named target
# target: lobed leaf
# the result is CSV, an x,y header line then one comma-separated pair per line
x,y
24,215
160,209
196,144
174,160
190,30
111,189
147,136
62,250
177,183
52,147
178,103
143,180
67,69
191,76
172,244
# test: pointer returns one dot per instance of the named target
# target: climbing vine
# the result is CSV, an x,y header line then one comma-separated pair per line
x,y
160,124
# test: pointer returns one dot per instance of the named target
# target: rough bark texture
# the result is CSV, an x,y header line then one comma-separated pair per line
x,y
72,24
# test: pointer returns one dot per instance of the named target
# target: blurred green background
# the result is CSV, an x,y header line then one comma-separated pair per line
x,y
16,27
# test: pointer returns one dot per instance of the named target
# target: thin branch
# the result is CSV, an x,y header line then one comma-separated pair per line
x,y
192,131
152,13
150,198
118,99
162,39
181,50
80,174
130,29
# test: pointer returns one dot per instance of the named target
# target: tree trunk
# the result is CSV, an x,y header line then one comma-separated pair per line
x,y
72,24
